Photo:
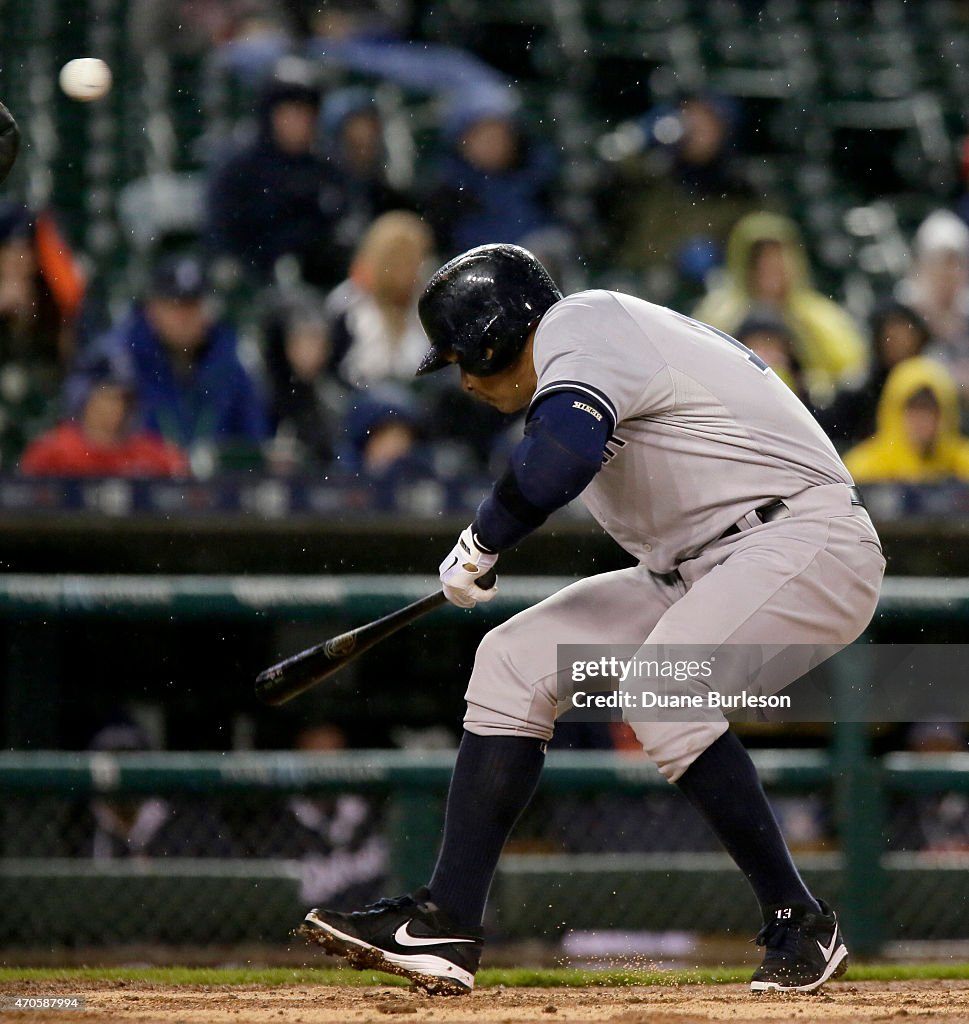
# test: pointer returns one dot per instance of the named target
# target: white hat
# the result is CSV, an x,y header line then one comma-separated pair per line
x,y
942,231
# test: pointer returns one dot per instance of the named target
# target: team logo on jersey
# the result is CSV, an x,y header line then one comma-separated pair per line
x,y
589,409
613,447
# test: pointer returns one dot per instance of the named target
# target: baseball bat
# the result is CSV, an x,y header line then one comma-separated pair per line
x,y
289,678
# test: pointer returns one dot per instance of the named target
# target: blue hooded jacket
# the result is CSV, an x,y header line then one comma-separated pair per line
x,y
471,206
217,401
263,203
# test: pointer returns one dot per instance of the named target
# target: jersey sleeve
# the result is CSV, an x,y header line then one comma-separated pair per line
x,y
560,453
584,344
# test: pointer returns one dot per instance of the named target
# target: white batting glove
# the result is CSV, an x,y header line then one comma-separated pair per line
x,y
462,567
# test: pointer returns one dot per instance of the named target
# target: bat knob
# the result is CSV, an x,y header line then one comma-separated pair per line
x,y
487,581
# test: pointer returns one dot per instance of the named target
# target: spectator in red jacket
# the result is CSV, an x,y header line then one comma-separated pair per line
x,y
193,387
101,441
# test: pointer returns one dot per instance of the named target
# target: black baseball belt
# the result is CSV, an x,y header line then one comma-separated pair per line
x,y
777,510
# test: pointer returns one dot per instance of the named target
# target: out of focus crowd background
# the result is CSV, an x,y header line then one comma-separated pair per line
x,y
208,333
215,267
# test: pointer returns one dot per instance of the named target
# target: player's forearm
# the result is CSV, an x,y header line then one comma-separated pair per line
x,y
501,523
9,141
553,463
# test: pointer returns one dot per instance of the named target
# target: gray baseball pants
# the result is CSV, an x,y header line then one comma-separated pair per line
x,y
809,579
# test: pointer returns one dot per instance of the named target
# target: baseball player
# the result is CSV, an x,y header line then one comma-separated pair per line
x,y
9,141
747,529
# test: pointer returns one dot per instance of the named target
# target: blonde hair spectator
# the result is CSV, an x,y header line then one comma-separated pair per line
x,y
378,330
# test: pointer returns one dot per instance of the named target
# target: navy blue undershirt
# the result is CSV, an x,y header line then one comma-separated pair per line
x,y
565,437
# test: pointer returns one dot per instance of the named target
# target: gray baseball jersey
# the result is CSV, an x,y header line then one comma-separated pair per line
x,y
703,430
703,435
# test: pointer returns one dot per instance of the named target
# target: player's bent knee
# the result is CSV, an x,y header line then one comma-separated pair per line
x,y
490,648
674,746
506,695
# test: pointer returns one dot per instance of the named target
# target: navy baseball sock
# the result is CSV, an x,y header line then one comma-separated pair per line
x,y
494,778
722,784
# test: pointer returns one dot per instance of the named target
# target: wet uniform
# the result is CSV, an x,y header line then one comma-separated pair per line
x,y
719,482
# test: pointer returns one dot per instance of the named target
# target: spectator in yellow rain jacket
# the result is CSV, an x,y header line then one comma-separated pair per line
x,y
767,273
917,437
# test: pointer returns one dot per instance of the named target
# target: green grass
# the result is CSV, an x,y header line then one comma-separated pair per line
x,y
512,977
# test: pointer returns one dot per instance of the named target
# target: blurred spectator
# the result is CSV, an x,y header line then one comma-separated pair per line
x,y
192,387
383,437
191,28
673,191
347,38
962,204
259,37
41,293
149,826
917,439
364,37
337,839
897,333
938,288
101,441
804,820
936,823
767,270
307,401
770,338
602,822
495,185
354,135
276,197
350,19
376,333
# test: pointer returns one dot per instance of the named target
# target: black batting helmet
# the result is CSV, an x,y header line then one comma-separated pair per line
x,y
481,306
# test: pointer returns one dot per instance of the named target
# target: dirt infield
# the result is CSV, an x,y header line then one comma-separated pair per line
x,y
321,1004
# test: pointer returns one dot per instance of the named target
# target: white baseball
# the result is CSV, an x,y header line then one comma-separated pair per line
x,y
85,78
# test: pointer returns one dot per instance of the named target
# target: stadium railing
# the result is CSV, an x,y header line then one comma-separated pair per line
x,y
631,890
53,902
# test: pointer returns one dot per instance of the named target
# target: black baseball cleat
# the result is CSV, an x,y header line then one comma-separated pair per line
x,y
408,936
804,949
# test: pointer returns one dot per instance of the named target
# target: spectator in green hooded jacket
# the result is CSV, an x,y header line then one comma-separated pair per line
x,y
767,272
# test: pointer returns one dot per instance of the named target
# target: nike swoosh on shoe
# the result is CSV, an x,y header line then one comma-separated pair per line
x,y
404,938
828,952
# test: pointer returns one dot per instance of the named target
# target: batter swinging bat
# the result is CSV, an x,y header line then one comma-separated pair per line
x,y
295,675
